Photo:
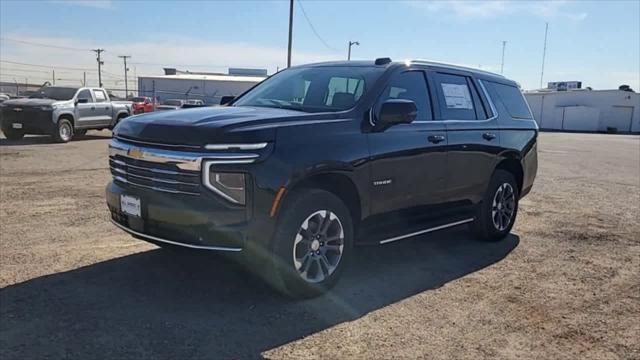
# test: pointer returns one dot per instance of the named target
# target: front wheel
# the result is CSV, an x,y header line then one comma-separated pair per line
x,y
64,131
312,244
497,212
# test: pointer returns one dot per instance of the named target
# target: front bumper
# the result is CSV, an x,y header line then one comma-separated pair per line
x,y
31,120
199,222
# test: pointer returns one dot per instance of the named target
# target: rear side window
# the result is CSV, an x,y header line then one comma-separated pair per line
x,y
457,98
410,85
100,96
512,99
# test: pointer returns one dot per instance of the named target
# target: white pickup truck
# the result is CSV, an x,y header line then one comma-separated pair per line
x,y
62,112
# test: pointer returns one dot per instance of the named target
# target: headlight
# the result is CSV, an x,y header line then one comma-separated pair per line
x,y
231,186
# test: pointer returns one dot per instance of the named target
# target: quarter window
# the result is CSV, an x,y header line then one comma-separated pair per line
x,y
409,85
512,99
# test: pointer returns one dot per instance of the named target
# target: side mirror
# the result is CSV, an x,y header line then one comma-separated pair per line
x,y
396,111
226,99
82,101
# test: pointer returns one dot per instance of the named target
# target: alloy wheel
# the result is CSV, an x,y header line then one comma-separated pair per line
x,y
65,131
318,246
503,207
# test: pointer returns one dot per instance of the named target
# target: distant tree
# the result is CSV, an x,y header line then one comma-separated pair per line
x,y
625,88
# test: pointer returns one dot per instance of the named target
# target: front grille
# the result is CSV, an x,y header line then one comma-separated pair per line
x,y
28,115
155,176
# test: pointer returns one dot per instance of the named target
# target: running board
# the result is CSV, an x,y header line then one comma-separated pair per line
x,y
445,226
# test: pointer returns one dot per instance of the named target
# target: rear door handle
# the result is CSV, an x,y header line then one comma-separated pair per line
x,y
489,136
93,108
436,138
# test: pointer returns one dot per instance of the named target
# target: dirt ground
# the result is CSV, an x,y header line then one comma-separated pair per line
x,y
565,284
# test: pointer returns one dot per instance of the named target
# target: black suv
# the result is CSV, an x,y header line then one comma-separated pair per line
x,y
318,158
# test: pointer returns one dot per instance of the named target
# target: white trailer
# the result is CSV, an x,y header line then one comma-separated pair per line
x,y
586,110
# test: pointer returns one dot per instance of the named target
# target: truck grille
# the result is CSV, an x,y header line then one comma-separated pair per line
x,y
154,176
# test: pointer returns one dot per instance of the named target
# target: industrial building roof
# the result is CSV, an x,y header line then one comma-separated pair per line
x,y
220,77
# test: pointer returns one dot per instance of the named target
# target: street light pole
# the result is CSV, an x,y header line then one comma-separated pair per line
x,y
351,43
126,88
290,32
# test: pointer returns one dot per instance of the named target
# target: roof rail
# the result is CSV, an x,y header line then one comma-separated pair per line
x,y
451,66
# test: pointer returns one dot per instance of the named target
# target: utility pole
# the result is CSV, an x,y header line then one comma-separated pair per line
x,y
53,76
84,78
504,45
126,88
544,52
100,63
290,32
351,43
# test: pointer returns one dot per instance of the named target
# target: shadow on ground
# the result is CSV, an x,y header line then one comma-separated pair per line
x,y
45,139
164,305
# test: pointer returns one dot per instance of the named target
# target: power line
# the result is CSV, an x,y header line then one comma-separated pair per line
x,y
314,29
48,66
43,45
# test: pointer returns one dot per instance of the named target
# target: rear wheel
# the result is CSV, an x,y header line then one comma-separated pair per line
x,y
13,134
497,212
312,244
64,131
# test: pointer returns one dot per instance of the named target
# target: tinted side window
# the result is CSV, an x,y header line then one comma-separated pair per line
x,y
85,94
410,85
100,96
512,99
455,97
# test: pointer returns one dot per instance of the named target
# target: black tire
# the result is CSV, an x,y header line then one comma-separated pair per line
x,y
64,131
489,225
80,132
299,206
13,134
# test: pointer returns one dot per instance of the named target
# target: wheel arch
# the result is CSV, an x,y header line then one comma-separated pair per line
x,y
337,183
513,165
67,116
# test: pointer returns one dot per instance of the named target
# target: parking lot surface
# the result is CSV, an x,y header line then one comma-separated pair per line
x,y
564,284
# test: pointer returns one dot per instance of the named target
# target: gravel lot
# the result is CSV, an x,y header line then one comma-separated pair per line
x,y
565,284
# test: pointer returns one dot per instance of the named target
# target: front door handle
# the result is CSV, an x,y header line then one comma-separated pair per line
x,y
93,108
489,136
436,138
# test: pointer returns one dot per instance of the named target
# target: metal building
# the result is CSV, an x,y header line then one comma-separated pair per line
x,y
586,110
209,87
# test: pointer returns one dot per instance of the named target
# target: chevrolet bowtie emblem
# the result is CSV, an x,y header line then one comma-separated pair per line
x,y
135,153
17,109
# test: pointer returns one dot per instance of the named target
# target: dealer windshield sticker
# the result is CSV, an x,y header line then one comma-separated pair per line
x,y
457,96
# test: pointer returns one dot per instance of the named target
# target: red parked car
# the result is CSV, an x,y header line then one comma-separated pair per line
x,y
143,104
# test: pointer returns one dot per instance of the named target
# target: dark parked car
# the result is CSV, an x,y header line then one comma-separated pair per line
x,y
319,158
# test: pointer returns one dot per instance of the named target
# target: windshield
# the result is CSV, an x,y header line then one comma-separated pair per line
x,y
56,93
313,89
138,99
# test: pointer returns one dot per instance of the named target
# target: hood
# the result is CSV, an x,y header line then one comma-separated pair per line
x,y
205,125
27,102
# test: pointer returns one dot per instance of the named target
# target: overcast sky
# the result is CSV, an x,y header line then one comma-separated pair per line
x,y
594,42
